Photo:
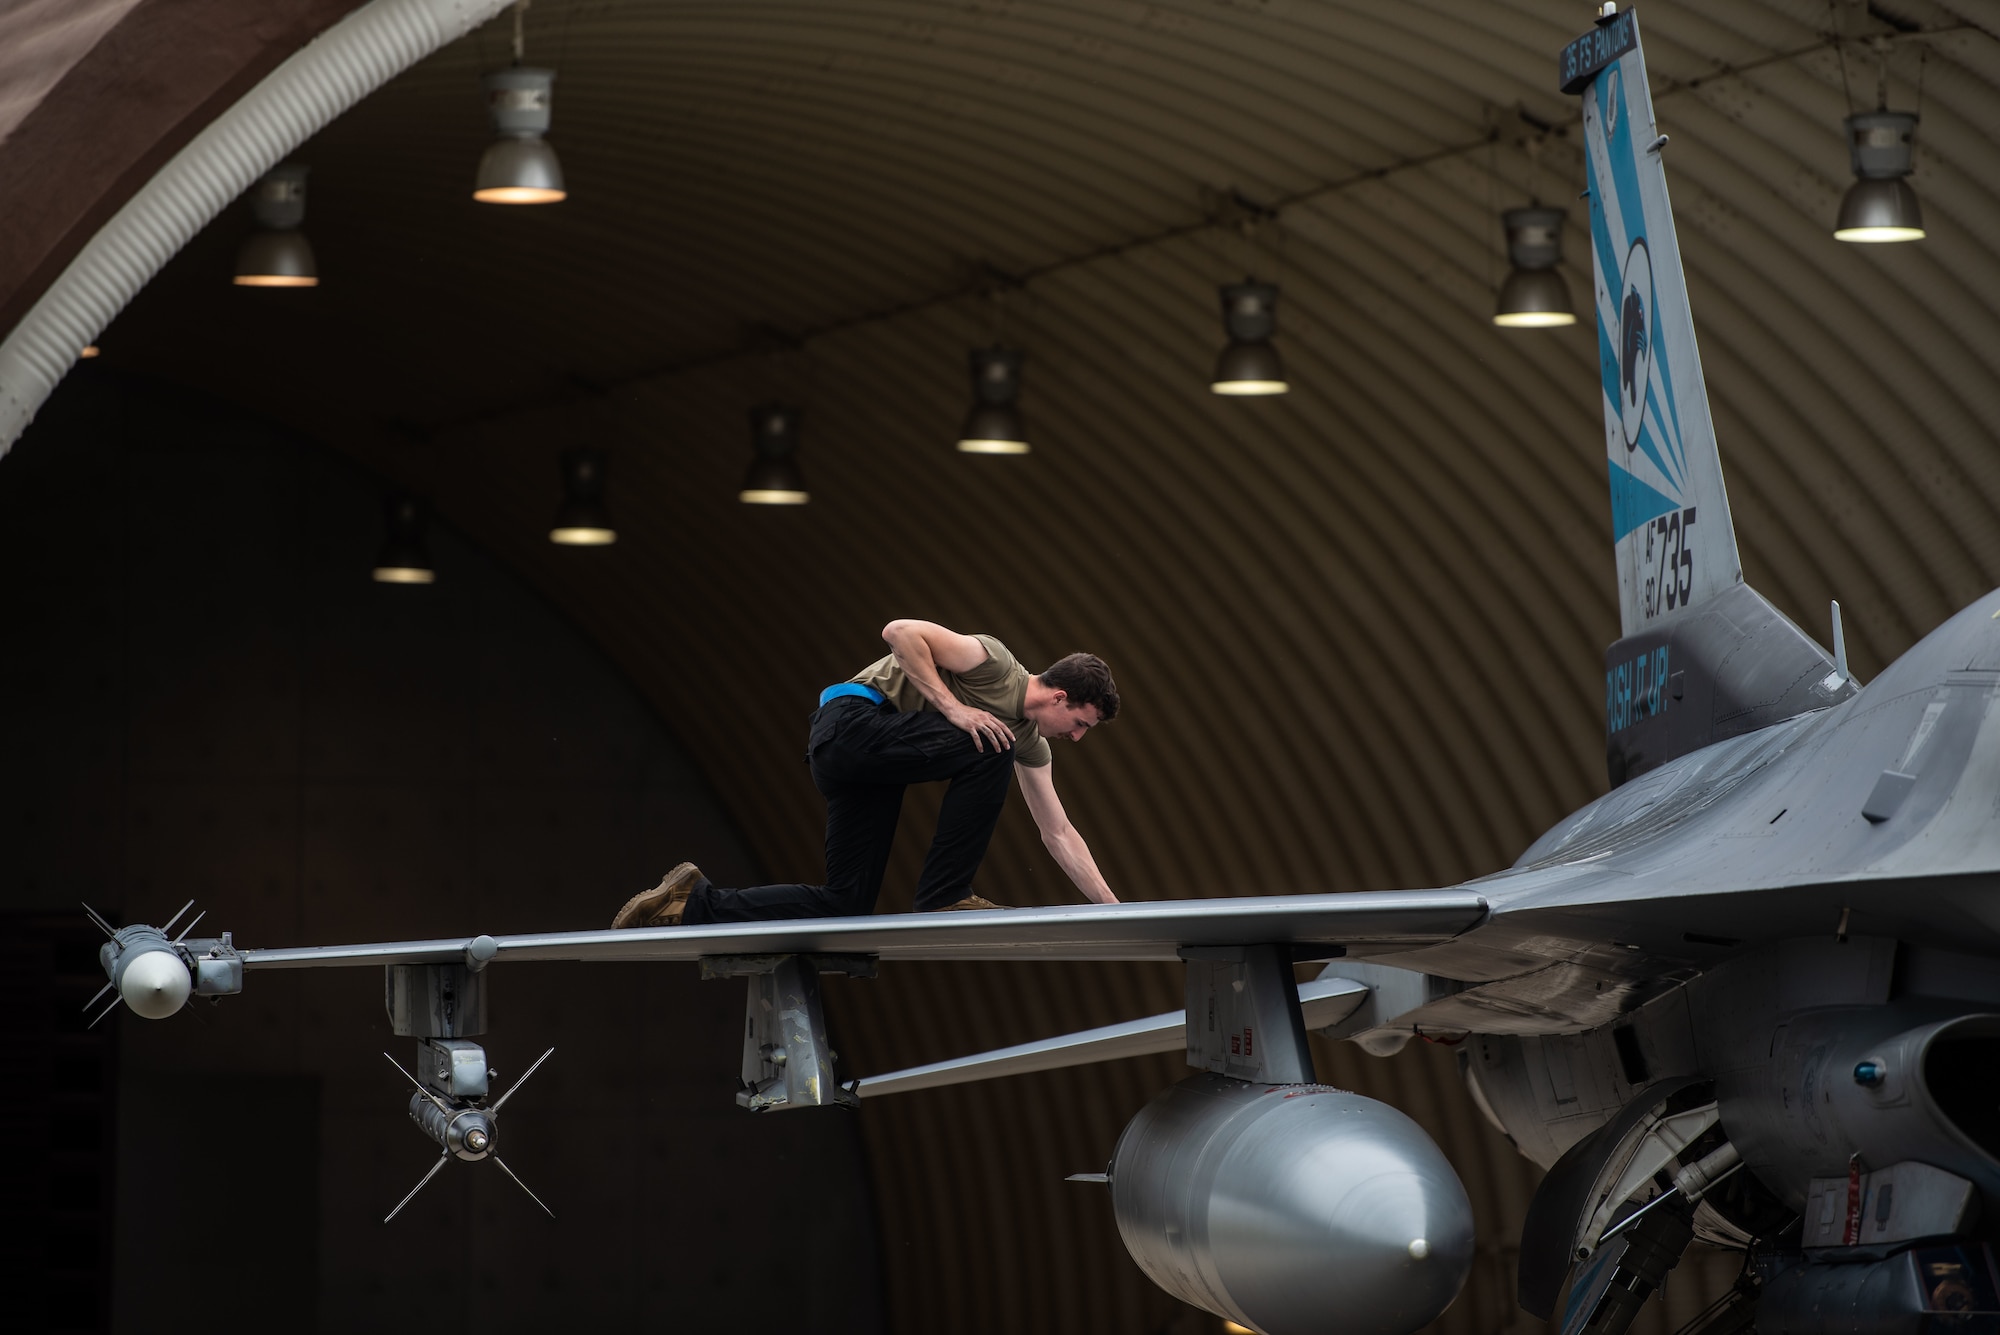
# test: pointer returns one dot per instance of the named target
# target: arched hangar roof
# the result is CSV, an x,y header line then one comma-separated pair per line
x,y
1359,628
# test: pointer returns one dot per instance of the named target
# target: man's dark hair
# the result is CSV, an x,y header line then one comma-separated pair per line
x,y
1086,680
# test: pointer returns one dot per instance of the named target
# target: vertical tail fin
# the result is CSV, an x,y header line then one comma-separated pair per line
x,y
1704,656
1669,513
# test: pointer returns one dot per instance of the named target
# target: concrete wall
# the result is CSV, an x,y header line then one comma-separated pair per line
x,y
205,697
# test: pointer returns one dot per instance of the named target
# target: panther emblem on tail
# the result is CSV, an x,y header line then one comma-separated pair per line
x,y
1632,353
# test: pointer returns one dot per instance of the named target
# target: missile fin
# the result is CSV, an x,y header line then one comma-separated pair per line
x,y
510,1172
422,1182
421,1090
510,1094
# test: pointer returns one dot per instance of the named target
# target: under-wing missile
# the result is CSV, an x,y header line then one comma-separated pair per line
x,y
450,1107
465,1132
1287,1207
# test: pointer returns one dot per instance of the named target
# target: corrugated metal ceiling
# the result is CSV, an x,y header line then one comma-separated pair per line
x,y
1358,628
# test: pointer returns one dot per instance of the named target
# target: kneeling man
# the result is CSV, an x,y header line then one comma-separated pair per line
x,y
942,707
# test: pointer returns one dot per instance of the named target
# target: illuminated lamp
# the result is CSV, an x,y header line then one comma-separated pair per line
x,y
403,559
774,477
519,167
994,425
583,521
1250,364
277,254
1534,295
1880,206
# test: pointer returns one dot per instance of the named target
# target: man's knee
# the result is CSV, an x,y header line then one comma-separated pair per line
x,y
844,899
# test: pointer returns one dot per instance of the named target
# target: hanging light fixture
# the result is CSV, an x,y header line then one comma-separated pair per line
x,y
583,521
403,559
994,425
1880,206
277,254
774,477
519,167
1534,295
1250,363
90,350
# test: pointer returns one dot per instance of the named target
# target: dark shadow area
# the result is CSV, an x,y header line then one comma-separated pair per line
x,y
58,1124
206,697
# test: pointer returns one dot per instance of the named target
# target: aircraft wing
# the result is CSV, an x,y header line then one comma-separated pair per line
x,y
1139,931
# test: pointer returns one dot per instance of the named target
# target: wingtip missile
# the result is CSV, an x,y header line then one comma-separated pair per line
x,y
155,984
155,976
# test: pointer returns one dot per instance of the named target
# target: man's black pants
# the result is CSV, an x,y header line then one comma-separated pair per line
x,y
862,756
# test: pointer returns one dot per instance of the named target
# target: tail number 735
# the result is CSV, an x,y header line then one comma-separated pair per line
x,y
1669,562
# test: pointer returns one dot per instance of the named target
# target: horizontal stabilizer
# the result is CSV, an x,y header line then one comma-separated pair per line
x,y
1324,1001
1138,931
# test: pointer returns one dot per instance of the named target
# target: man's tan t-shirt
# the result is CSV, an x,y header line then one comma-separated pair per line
x,y
999,686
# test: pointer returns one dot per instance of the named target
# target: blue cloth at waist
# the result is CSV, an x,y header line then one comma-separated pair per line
x,y
833,693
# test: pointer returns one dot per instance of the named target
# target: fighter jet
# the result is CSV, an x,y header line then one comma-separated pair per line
x,y
1751,996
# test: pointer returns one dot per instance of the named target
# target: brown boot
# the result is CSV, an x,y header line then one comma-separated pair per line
x,y
969,902
663,904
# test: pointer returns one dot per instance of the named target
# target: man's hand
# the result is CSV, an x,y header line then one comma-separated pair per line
x,y
922,647
982,725
1059,836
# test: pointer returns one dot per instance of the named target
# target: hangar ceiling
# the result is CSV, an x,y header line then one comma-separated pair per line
x,y
1359,628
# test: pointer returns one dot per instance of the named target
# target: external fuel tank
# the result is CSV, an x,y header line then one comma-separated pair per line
x,y
1292,1209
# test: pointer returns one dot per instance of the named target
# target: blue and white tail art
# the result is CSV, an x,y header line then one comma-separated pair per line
x,y
1703,656
1669,512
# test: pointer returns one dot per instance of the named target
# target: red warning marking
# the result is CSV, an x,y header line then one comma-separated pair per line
x,y
1246,1042
1851,1234
1235,1046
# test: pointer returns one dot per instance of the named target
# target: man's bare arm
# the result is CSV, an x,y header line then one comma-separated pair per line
x,y
1038,785
921,648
